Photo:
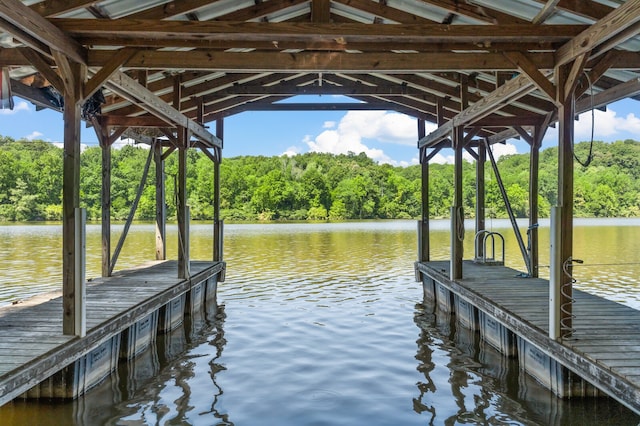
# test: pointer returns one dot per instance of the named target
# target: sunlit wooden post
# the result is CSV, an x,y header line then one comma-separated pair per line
x,y
183,211
480,198
534,191
74,75
457,212
423,234
217,224
184,137
161,210
105,196
561,272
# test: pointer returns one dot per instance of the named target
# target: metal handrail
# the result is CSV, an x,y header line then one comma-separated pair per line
x,y
488,235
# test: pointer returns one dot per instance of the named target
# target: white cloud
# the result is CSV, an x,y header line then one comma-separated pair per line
x,y
33,135
384,126
607,125
503,149
348,135
19,106
339,142
291,151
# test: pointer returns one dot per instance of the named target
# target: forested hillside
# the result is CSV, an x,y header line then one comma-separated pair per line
x,y
310,186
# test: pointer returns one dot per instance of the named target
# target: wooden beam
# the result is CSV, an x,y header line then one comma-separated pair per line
x,y
44,67
531,70
320,11
622,17
547,10
616,93
352,88
111,120
50,8
317,32
575,72
508,121
29,22
129,89
511,90
332,106
321,62
70,194
117,61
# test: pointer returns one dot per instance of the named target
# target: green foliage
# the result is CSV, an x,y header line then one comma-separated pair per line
x,y
311,186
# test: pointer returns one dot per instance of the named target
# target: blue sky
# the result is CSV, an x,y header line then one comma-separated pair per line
x,y
385,136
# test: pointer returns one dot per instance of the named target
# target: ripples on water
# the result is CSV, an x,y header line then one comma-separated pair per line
x,y
322,325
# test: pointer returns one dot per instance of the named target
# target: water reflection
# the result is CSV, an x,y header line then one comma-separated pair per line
x,y
322,329
487,387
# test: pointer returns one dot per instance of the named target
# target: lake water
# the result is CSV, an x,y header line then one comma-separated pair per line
x,y
321,324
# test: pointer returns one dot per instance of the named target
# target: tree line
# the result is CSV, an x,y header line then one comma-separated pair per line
x,y
311,186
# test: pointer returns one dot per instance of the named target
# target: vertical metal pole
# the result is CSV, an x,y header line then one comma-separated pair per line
x,y
80,272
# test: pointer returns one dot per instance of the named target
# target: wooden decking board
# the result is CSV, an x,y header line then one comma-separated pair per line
x,y
35,325
606,345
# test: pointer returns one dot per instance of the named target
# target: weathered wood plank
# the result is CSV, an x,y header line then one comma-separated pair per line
x,y
32,346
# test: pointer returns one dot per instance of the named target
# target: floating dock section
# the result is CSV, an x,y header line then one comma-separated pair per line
x,y
601,357
125,314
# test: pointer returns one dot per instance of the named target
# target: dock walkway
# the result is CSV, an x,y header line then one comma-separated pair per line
x,y
605,346
32,346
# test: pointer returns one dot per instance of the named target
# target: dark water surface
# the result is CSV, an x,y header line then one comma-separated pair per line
x,y
320,325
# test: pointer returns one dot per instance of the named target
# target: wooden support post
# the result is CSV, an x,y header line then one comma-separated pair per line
x,y
105,195
181,196
423,255
217,224
161,209
457,211
480,198
534,167
74,76
566,116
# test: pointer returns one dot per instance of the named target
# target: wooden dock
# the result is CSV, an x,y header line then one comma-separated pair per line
x,y
33,347
604,348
